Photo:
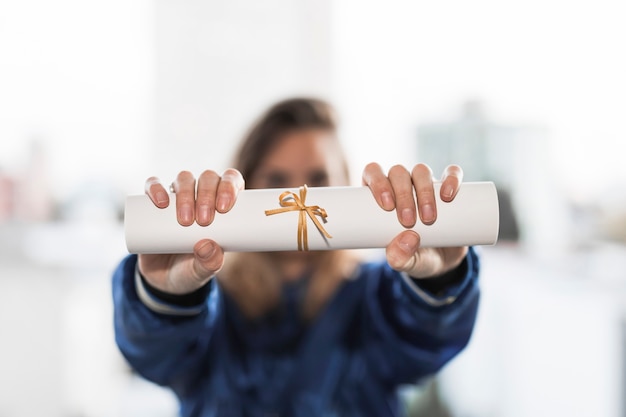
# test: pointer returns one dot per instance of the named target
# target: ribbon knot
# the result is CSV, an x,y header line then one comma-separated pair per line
x,y
292,202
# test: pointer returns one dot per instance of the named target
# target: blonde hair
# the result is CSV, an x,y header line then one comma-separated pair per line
x,y
253,281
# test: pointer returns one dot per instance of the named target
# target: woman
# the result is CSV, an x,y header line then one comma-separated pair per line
x,y
296,333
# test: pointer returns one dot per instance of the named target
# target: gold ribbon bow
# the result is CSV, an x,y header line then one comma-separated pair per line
x,y
291,202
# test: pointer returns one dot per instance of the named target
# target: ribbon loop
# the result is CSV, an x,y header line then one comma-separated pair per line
x,y
292,202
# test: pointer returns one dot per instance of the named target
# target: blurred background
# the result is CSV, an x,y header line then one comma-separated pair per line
x,y
95,96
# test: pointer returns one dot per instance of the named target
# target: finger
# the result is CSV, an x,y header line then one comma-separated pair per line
x,y
402,249
451,182
155,190
231,183
185,189
208,259
402,185
377,181
205,197
423,183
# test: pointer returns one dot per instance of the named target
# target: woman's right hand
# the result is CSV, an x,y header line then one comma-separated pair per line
x,y
196,201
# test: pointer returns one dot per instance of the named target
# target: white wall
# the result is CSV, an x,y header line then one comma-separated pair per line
x,y
219,64
548,340
79,77
552,63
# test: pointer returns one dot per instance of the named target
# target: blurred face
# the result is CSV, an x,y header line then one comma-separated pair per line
x,y
310,157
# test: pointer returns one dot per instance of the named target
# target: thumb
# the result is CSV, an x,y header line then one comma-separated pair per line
x,y
404,254
401,251
208,260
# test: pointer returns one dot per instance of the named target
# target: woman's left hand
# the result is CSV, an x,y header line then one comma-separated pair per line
x,y
396,191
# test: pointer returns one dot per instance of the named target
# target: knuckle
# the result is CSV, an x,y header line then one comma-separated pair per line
x,y
398,170
234,176
151,185
214,264
231,173
208,173
184,199
204,201
454,168
404,197
454,171
226,187
371,172
422,170
425,196
207,182
185,176
381,185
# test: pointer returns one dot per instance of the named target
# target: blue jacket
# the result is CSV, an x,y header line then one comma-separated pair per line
x,y
378,332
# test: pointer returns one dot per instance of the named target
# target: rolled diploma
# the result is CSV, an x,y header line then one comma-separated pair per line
x,y
355,221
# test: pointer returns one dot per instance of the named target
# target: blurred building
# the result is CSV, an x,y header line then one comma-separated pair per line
x,y
514,157
549,339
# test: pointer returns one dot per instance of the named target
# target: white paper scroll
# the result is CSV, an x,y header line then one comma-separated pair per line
x,y
354,221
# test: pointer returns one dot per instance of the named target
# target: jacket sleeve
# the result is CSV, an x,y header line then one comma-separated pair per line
x,y
166,348
411,333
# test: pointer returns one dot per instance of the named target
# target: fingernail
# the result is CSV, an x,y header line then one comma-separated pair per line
x,y
428,213
387,200
186,214
223,202
408,242
407,217
161,197
447,191
206,251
